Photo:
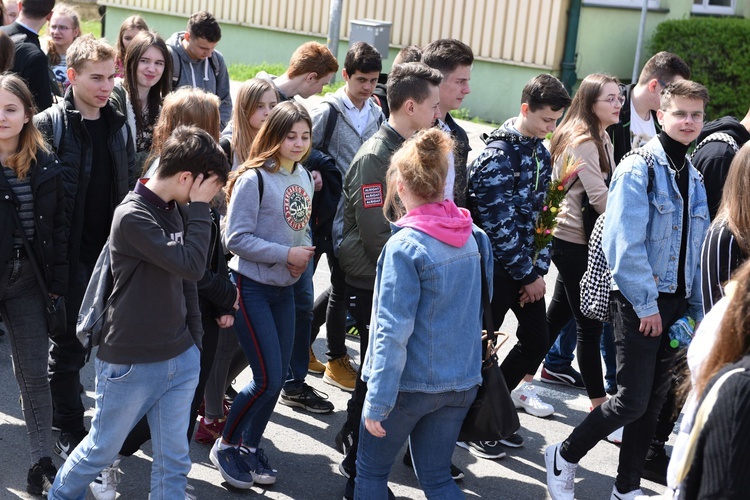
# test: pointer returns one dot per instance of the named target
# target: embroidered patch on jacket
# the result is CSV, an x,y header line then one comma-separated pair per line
x,y
297,207
372,195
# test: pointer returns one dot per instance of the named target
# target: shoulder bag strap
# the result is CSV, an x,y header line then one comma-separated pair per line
x,y
34,264
488,343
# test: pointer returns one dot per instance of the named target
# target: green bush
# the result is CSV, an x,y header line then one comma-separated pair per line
x,y
242,72
717,51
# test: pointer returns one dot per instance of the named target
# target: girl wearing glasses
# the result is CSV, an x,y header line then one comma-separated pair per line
x,y
64,27
582,137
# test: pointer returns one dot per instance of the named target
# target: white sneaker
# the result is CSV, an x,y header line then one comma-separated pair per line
x,y
104,487
615,437
525,397
631,495
561,474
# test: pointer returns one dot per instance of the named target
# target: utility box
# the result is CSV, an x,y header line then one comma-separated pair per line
x,y
376,33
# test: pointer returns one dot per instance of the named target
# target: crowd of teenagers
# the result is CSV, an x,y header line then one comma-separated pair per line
x,y
132,170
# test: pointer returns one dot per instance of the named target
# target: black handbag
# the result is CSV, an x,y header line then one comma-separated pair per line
x,y
54,309
492,416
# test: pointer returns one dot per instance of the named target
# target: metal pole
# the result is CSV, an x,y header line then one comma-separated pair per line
x,y
639,43
334,28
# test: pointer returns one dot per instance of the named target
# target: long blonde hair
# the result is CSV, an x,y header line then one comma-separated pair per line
x,y
421,163
245,104
268,142
30,140
735,202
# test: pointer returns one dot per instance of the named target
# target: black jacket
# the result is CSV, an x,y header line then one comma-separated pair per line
x,y
620,132
713,159
325,201
216,292
75,154
50,232
460,158
32,65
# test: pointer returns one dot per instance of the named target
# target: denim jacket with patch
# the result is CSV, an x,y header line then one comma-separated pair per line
x,y
643,230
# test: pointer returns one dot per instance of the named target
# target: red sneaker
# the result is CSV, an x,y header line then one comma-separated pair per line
x,y
209,433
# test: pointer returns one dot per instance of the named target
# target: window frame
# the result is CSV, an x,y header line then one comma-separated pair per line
x,y
633,4
705,8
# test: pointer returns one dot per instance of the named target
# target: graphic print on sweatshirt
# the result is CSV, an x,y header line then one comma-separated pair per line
x,y
297,207
178,237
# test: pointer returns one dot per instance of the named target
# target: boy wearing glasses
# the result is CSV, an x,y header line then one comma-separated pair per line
x,y
656,220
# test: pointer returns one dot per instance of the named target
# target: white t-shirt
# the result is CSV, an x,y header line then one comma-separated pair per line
x,y
641,131
450,180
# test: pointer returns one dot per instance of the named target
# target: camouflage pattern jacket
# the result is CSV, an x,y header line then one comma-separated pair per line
x,y
507,187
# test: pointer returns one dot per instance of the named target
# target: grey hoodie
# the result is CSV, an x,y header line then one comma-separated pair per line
x,y
209,74
343,143
261,234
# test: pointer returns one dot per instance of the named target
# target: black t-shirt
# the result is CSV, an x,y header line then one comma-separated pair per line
x,y
98,208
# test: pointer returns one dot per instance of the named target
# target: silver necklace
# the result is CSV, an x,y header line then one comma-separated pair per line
x,y
674,167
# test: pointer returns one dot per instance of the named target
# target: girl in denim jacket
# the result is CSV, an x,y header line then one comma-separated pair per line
x,y
423,366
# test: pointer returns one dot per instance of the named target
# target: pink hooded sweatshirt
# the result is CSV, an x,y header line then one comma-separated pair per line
x,y
443,221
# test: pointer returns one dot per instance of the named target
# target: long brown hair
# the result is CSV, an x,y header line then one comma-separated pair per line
x,y
735,202
245,104
62,9
421,163
185,106
733,339
581,123
30,140
269,139
131,22
140,44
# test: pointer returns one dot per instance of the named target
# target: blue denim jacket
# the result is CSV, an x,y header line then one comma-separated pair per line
x,y
643,229
426,318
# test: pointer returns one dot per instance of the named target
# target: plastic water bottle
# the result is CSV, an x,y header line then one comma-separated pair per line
x,y
681,333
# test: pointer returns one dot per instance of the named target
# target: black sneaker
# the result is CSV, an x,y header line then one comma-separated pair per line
x,y
41,476
308,399
344,440
484,449
67,442
512,441
456,473
567,376
655,468
349,491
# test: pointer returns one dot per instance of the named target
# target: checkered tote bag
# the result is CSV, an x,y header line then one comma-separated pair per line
x,y
597,280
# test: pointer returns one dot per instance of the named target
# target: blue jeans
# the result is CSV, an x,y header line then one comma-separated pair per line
x,y
163,392
265,330
22,310
560,355
303,308
431,422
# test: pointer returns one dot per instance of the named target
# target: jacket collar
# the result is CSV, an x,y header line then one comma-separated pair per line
x,y
114,118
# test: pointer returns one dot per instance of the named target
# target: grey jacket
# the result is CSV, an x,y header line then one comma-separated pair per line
x,y
343,143
209,74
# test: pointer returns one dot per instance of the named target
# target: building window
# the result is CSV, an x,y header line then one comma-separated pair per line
x,y
652,4
721,7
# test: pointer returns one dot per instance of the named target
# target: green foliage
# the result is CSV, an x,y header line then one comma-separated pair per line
x,y
465,115
716,50
242,72
333,87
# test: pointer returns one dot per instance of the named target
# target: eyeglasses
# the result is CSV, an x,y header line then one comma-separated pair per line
x,y
680,115
663,84
59,27
613,99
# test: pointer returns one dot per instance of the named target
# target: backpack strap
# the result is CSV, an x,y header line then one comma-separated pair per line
x,y
57,119
333,118
505,146
717,137
649,158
